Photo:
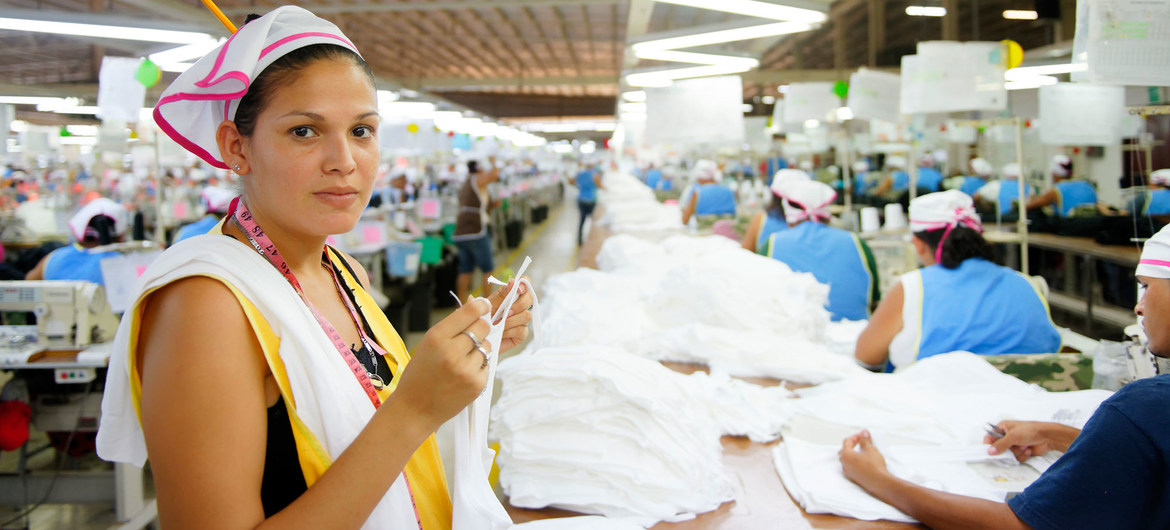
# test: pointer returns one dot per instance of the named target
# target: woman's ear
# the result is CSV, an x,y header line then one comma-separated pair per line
x,y
231,147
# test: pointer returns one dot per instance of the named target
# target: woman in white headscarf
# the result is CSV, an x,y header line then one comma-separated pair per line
x,y
1067,195
1113,473
836,257
97,224
960,300
771,220
215,202
1003,193
707,197
254,369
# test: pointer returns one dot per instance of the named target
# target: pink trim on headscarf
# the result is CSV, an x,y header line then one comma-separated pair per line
x,y
965,216
207,81
1158,262
818,213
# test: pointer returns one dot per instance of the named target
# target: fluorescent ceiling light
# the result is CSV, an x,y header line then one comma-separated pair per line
x,y
588,148
634,96
69,109
186,53
407,108
768,100
696,58
77,140
82,130
105,32
719,37
634,107
664,78
747,108
18,126
1020,14
608,126
754,8
1026,72
37,100
1030,82
844,114
632,116
926,11
560,128
812,124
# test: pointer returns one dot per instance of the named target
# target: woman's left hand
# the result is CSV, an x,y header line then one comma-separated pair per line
x,y
516,324
861,461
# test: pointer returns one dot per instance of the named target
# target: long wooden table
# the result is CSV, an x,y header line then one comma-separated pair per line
x,y
1091,252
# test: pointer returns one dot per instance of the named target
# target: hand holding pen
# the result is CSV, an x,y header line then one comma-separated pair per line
x,y
1026,439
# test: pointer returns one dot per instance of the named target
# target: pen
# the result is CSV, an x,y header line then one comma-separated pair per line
x,y
994,431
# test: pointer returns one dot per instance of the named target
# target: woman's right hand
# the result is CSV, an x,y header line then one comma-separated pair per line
x,y
1026,439
447,372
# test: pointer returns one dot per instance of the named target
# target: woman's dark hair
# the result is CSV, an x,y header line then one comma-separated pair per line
x,y
284,71
100,230
776,207
472,167
961,244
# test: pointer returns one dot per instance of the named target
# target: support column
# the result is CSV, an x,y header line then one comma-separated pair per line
x,y
877,30
950,28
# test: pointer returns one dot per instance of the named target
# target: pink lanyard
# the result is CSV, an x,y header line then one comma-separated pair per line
x,y
263,245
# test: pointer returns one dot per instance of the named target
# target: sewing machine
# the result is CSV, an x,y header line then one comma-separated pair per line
x,y
69,315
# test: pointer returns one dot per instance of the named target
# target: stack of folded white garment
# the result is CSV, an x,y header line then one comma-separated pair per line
x,y
929,420
701,300
630,205
596,430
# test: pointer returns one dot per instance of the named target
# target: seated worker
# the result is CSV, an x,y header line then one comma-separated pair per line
x,y
929,178
970,183
1156,201
896,180
98,223
707,196
1066,195
215,200
771,220
863,180
1113,473
1003,193
653,176
959,300
835,257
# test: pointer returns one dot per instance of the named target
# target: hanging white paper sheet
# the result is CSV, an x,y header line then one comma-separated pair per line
x,y
1123,42
120,274
809,101
875,95
950,76
1081,114
704,111
120,95
960,134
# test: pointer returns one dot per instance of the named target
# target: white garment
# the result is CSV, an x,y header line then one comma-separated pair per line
x,y
904,346
333,408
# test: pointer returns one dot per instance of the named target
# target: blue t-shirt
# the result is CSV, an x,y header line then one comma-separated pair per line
x,y
588,188
1117,472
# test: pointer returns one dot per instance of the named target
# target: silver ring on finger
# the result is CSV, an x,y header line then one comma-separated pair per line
x,y
474,340
484,352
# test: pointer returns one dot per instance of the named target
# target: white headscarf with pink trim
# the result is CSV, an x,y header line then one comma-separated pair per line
x,y
1155,260
216,199
943,210
808,199
119,218
207,94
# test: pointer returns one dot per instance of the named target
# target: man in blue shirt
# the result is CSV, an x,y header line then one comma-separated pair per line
x,y
1114,474
588,181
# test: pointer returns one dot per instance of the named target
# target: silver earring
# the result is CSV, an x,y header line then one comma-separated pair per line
x,y
237,168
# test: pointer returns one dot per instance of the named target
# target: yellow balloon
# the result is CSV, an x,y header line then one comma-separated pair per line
x,y
1014,54
413,128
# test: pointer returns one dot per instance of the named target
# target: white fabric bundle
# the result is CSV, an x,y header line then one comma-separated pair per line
x,y
922,417
1155,259
192,107
94,208
630,205
644,443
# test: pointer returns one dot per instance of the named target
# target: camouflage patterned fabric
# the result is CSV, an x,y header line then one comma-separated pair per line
x,y
1056,372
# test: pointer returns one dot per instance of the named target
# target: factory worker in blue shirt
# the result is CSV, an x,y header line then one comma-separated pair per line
x,y
98,223
1004,192
1114,474
215,201
960,300
707,196
834,256
772,219
1066,194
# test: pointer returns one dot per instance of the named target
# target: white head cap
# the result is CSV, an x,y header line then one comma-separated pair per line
x,y
896,162
216,199
860,166
99,206
981,167
1061,166
808,199
705,170
1161,177
193,106
1155,260
943,210
785,178
806,165
1011,171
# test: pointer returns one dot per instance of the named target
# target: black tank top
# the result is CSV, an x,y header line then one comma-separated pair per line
x,y
283,481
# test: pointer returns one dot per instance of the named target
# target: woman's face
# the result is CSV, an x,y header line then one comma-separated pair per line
x,y
1154,308
313,155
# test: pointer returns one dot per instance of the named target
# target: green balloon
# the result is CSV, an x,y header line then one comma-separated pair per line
x,y
148,73
841,89
64,133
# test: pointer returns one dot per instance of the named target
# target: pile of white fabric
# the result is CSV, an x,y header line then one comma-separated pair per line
x,y
596,430
630,205
929,421
701,300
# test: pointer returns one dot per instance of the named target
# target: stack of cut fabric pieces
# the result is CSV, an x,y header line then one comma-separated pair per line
x,y
701,300
629,205
596,430
928,419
